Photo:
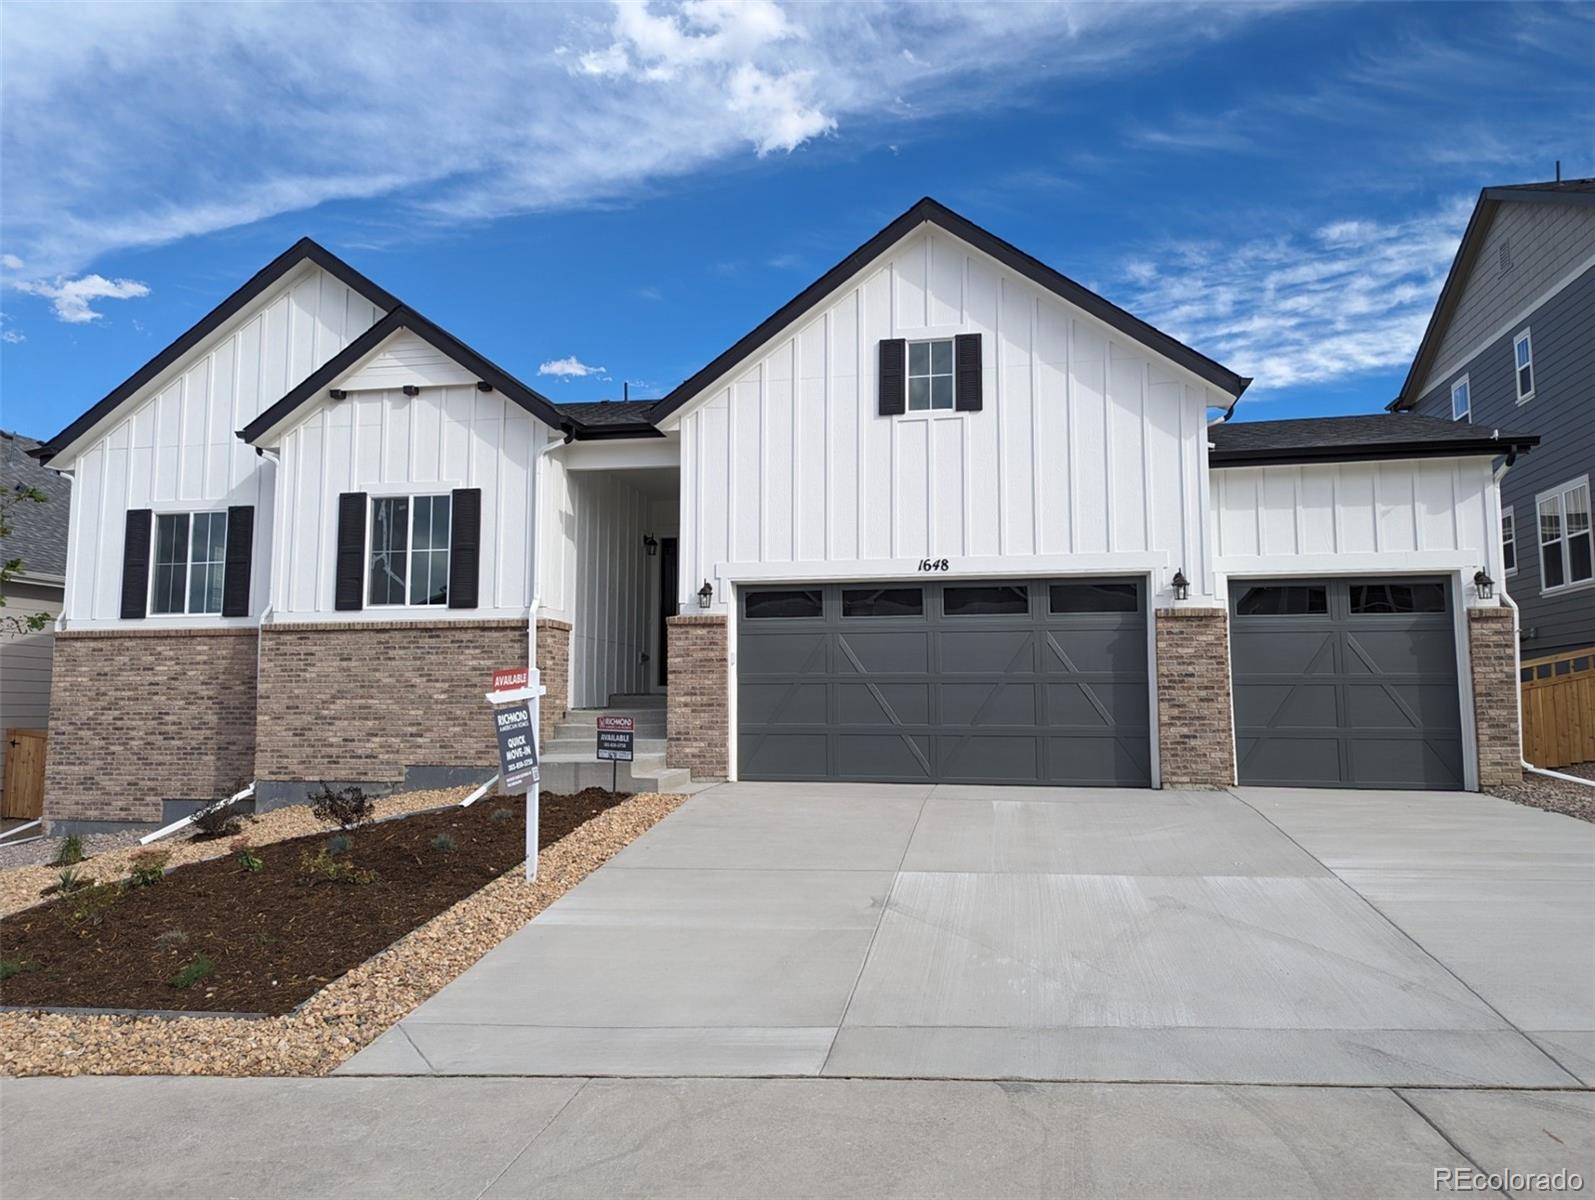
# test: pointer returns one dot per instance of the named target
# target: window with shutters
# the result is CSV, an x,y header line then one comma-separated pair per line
x,y
409,551
930,375
189,563
1567,544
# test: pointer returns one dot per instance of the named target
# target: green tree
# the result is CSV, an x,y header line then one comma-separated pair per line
x,y
12,567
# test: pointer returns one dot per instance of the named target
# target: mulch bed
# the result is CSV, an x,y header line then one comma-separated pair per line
x,y
275,936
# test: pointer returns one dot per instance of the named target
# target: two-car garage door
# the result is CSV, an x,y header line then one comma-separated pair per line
x,y
1006,682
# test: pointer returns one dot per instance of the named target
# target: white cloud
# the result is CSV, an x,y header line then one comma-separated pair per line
x,y
71,297
571,367
1304,307
123,122
10,262
12,337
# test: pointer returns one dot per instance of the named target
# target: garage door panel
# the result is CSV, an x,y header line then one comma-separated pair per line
x,y
1012,694
1334,695
882,756
883,703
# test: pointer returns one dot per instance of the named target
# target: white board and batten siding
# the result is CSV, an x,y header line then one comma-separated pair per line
x,y
1088,456
175,449
385,443
1435,516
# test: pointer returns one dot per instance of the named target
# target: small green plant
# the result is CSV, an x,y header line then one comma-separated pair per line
x,y
69,881
193,971
168,938
147,868
322,867
87,906
70,851
340,843
216,822
348,808
11,966
246,857
503,814
445,842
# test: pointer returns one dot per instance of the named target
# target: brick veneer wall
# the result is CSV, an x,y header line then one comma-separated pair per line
x,y
697,713
553,664
1196,733
142,716
1495,698
363,700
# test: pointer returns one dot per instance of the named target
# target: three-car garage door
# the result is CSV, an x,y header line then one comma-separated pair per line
x,y
1004,682
1345,683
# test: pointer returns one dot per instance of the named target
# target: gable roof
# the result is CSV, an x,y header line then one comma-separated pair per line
x,y
404,317
37,531
928,211
1560,191
598,419
1362,438
302,250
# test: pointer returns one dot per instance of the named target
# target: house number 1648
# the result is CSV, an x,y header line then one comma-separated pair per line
x,y
933,564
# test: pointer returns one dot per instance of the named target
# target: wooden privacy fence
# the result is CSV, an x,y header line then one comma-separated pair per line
x,y
24,777
1559,709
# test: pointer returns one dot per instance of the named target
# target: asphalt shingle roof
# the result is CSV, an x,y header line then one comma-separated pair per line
x,y
598,413
1350,439
38,531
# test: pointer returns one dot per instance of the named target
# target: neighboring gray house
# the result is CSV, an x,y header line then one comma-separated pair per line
x,y
38,537
1511,345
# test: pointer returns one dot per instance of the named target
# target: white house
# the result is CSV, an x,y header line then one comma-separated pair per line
x,y
946,515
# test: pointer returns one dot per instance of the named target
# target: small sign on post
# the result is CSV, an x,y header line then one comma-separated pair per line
x,y
515,699
616,743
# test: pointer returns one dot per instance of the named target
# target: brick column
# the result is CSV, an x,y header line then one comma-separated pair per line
x,y
1196,731
553,663
1495,687
697,714
141,716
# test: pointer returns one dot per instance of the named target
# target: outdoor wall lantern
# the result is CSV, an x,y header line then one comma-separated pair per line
x,y
1182,585
1484,584
650,544
705,594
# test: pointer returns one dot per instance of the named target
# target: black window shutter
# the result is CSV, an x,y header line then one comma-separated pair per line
x,y
240,549
465,544
350,586
893,376
136,563
966,372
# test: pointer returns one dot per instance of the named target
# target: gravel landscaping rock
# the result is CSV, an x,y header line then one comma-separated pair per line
x,y
349,1012
45,849
1554,795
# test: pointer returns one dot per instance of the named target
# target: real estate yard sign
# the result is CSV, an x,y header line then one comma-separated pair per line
x,y
517,749
616,739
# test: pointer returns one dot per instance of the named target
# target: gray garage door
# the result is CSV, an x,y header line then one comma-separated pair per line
x,y
1345,683
1013,682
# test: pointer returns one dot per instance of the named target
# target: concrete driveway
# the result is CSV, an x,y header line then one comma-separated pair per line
x,y
1253,936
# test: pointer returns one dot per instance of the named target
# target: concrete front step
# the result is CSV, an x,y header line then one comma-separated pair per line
x,y
650,775
584,745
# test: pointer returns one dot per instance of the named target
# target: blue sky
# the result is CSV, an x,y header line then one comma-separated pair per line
x,y
626,190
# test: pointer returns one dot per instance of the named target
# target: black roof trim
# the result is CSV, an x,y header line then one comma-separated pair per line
x,y
404,317
1364,438
1567,191
278,267
928,210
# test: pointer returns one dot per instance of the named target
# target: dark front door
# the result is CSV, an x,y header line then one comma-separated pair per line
x,y
1030,681
668,579
1345,683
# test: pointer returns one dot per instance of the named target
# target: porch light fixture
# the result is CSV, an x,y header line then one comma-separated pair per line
x,y
705,594
1182,585
1484,584
650,544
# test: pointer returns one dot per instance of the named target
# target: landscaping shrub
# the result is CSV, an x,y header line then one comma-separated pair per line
x,y
445,842
322,867
340,843
68,881
71,851
148,867
88,906
503,814
11,966
216,823
246,856
196,969
349,808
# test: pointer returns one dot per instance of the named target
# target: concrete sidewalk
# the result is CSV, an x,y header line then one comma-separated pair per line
x,y
1267,937
79,1139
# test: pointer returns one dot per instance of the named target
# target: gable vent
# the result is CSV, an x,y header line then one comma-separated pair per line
x,y
1506,255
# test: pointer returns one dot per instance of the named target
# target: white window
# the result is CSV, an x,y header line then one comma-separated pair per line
x,y
1508,541
409,550
190,562
1461,406
930,375
1523,359
1567,554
